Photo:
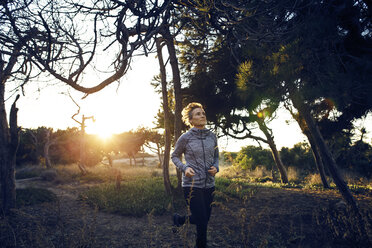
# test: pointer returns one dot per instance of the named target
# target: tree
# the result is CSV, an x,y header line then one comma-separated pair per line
x,y
41,36
315,150
316,49
214,86
82,162
67,149
129,143
153,137
306,69
250,157
166,111
43,139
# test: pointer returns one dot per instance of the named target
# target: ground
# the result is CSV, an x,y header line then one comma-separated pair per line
x,y
269,217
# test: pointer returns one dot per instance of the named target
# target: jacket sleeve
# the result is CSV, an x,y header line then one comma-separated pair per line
x,y
216,155
179,149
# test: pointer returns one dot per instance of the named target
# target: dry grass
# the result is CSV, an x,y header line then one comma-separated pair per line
x,y
292,174
232,172
260,172
247,214
355,179
238,172
105,173
313,179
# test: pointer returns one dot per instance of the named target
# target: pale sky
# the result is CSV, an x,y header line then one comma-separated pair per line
x,y
134,103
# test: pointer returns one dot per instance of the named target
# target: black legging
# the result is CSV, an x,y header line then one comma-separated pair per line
x,y
200,201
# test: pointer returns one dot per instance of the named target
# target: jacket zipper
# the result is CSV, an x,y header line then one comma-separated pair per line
x,y
206,176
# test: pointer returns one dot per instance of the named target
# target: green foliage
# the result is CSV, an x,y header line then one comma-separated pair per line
x,y
228,156
250,157
32,196
357,158
233,188
64,148
134,198
300,156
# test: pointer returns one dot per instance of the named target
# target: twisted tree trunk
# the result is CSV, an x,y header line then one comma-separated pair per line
x,y
316,153
318,160
324,151
329,160
177,91
82,162
9,141
332,166
274,150
167,183
47,145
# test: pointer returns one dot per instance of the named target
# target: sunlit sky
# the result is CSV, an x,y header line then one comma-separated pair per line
x,y
125,106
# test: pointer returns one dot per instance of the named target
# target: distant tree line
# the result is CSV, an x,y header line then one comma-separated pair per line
x,y
48,147
354,157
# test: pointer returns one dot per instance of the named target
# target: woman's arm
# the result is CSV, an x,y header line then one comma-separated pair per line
x,y
216,156
215,166
179,149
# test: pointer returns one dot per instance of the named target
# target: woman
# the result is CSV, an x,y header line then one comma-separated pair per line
x,y
199,145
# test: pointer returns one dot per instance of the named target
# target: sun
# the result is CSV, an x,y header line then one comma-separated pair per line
x,y
102,129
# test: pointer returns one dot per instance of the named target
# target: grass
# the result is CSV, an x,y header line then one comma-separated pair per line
x,y
247,221
142,190
28,172
32,196
136,197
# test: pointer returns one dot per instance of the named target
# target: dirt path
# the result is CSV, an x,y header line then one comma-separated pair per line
x,y
270,218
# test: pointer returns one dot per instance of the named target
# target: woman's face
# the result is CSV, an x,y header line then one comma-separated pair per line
x,y
198,119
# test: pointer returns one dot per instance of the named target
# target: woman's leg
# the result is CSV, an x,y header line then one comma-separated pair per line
x,y
199,201
209,196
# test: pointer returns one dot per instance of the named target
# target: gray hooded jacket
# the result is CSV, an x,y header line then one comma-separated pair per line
x,y
201,152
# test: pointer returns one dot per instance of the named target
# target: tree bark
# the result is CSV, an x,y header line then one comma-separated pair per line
x,y
317,155
9,141
318,160
274,150
82,162
110,160
47,145
134,159
177,91
160,155
167,183
324,151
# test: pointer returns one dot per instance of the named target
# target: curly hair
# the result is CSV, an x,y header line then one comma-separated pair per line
x,y
187,112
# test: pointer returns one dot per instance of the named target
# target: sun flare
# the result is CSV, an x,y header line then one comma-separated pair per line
x,y
104,131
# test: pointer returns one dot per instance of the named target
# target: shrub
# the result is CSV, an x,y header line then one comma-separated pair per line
x,y
250,157
300,157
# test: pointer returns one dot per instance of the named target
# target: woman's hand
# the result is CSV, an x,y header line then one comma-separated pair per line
x,y
212,171
189,172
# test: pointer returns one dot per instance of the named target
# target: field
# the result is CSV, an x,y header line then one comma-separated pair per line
x,y
61,208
